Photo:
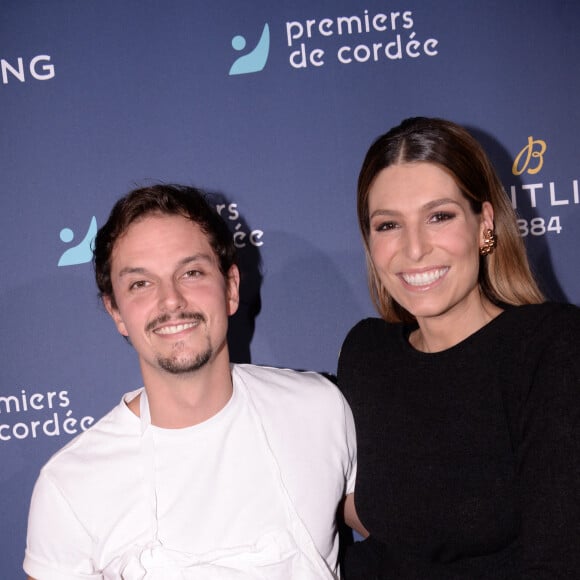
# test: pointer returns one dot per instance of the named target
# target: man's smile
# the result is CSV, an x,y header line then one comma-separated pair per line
x,y
176,328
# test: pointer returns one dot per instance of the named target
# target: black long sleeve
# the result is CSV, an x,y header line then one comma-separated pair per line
x,y
469,459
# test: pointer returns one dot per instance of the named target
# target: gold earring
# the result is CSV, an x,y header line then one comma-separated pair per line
x,y
489,243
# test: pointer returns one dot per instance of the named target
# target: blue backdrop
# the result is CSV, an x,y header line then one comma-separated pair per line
x,y
271,107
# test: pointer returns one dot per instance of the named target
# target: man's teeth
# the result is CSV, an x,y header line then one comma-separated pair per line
x,y
175,329
424,278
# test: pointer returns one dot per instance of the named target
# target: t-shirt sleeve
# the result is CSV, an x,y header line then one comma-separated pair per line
x,y
351,448
345,371
58,547
549,452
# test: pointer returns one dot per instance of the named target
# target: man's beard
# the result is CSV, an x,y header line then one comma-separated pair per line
x,y
176,366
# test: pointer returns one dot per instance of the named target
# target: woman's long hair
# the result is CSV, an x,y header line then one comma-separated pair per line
x,y
504,276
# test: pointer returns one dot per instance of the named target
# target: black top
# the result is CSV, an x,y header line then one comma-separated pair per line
x,y
468,459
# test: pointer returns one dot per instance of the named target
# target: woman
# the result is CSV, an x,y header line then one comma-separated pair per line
x,y
466,393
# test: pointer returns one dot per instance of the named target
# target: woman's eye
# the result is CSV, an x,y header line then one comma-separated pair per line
x,y
385,226
441,216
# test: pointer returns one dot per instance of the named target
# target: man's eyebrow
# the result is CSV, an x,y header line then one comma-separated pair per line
x,y
201,257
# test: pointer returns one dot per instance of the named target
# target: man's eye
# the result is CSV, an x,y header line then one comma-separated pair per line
x,y
193,274
138,284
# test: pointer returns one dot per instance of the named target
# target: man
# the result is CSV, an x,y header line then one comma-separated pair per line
x,y
212,470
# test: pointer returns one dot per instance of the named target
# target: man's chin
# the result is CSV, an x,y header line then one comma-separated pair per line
x,y
179,366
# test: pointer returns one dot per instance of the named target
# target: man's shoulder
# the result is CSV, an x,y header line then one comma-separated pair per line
x,y
280,386
298,409
98,440
266,377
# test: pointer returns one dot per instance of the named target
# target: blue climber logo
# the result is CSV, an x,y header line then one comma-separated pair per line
x,y
82,252
255,60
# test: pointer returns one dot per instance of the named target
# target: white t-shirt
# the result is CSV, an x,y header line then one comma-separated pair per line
x,y
124,489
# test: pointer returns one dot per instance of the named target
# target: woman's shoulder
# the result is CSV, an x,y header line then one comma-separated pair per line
x,y
368,323
368,329
547,308
545,316
542,332
369,336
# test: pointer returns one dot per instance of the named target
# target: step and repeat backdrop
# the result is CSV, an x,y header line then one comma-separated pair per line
x,y
270,107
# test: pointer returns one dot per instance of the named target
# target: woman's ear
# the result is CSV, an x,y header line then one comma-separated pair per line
x,y
487,215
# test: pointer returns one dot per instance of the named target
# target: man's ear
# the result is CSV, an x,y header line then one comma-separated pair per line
x,y
232,290
115,315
